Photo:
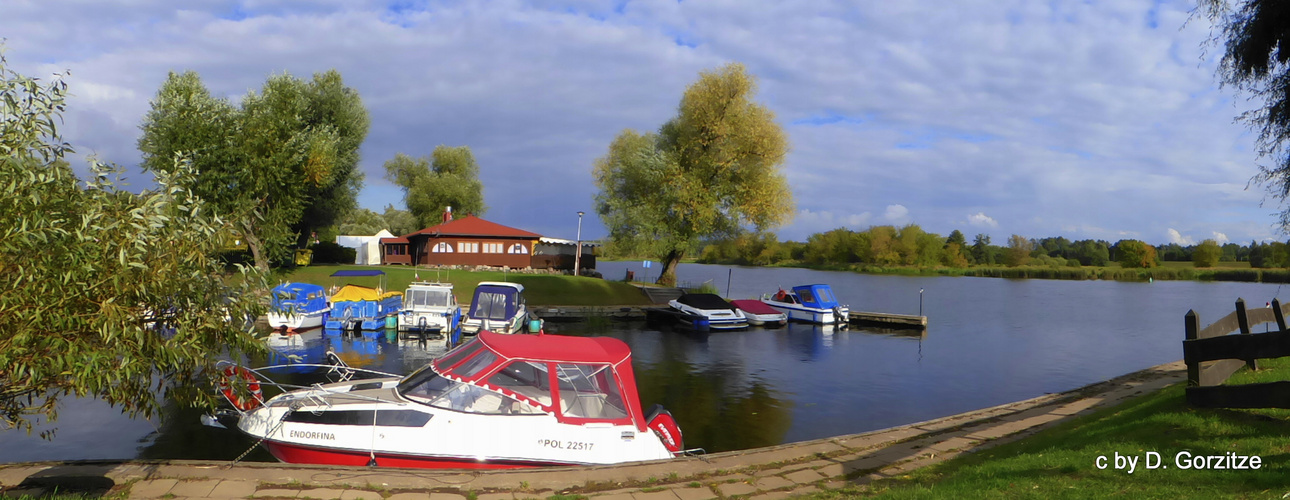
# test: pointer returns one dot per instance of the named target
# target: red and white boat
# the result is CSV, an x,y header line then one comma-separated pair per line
x,y
498,401
760,314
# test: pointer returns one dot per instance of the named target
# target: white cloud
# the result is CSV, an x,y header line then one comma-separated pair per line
x,y
1177,237
1220,238
896,214
980,219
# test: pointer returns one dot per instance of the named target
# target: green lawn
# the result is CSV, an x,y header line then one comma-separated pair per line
x,y
539,289
1062,462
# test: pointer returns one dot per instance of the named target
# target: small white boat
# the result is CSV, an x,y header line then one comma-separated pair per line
x,y
811,304
431,309
298,306
498,307
760,314
719,313
498,401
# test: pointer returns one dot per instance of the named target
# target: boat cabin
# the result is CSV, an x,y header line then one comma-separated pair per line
x,y
578,380
817,296
298,297
495,300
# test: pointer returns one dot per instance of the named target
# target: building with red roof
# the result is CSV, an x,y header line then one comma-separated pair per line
x,y
468,241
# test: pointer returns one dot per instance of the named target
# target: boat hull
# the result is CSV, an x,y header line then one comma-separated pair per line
x,y
300,454
298,321
797,312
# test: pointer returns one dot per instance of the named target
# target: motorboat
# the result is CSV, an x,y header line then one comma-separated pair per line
x,y
810,303
719,313
430,309
497,401
298,306
667,316
499,307
355,307
760,314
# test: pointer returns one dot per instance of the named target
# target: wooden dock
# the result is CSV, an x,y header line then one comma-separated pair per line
x,y
888,320
580,313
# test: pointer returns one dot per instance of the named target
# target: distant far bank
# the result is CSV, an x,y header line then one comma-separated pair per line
x,y
1224,271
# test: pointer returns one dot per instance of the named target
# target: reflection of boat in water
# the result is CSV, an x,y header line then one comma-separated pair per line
x,y
298,306
809,303
719,313
499,401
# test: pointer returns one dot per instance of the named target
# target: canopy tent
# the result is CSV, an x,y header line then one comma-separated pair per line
x,y
367,248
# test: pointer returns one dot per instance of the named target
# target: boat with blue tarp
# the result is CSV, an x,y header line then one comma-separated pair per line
x,y
298,306
357,307
811,304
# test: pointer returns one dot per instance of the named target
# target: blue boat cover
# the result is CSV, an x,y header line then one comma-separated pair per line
x,y
300,297
820,296
494,302
358,272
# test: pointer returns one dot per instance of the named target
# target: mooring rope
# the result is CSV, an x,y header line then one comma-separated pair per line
x,y
294,406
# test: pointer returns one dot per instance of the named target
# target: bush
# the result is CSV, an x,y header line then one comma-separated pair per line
x,y
1072,263
331,253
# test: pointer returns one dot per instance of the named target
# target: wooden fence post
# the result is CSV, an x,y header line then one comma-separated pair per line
x,y
1191,324
1244,322
1281,316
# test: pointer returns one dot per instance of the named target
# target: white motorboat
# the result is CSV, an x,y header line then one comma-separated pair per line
x,y
431,309
298,306
499,307
719,313
498,401
760,314
811,304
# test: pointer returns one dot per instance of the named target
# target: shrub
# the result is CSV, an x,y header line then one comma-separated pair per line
x,y
331,253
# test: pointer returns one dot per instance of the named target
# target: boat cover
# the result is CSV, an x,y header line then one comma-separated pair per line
x,y
706,301
820,296
754,306
495,300
298,296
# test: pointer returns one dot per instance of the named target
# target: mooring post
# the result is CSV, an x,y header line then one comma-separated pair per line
x,y
1191,325
1244,321
1281,316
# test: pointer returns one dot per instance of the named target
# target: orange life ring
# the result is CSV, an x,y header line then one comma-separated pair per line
x,y
252,386
781,296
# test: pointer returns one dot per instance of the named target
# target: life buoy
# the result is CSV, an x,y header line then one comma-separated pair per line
x,y
781,296
252,386
664,426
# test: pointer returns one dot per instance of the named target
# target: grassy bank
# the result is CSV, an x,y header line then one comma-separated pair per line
x,y
539,289
1062,461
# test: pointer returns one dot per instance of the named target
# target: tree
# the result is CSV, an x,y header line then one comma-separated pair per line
x,y
1207,254
956,236
399,221
289,152
711,171
1254,35
449,178
1134,253
981,251
953,256
362,221
1018,251
104,293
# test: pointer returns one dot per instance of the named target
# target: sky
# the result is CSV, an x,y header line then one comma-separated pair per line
x,y
1083,119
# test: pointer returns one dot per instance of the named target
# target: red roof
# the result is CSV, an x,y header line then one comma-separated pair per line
x,y
475,226
394,240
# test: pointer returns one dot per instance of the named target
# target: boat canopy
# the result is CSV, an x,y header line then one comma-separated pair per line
x,y
704,301
357,272
754,306
356,293
496,300
577,379
298,296
820,296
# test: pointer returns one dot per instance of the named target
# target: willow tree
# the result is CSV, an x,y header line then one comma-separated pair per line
x,y
103,292
448,178
713,171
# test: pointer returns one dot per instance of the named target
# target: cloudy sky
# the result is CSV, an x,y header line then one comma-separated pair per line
x,y
1084,119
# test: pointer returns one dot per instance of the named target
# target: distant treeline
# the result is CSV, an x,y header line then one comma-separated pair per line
x,y
911,247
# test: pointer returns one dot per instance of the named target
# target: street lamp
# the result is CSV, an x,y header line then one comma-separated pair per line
x,y
577,252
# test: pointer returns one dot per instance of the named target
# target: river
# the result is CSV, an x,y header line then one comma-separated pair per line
x,y
989,341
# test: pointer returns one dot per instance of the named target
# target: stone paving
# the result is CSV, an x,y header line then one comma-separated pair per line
x,y
760,474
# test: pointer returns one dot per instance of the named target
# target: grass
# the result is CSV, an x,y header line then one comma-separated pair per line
x,y
539,289
1061,462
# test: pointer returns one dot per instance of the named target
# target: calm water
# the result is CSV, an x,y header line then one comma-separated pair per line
x,y
990,341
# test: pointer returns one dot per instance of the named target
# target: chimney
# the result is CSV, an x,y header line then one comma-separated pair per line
x,y
447,214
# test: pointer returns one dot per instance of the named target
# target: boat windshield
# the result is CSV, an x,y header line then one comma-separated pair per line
x,y
491,306
428,388
429,298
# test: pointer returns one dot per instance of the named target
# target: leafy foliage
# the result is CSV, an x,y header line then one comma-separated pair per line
x,y
710,172
1134,253
1018,252
449,178
283,164
1207,254
104,293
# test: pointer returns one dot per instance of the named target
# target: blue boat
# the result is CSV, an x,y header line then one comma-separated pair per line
x,y
356,307
810,303
498,307
298,306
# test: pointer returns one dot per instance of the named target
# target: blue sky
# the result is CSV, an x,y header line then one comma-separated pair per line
x,y
1092,119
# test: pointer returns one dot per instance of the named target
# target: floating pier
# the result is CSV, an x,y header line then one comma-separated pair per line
x,y
888,320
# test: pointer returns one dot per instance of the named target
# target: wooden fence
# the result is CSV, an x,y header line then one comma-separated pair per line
x,y
1212,356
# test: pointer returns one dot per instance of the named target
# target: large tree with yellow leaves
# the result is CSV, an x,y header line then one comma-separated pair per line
x,y
714,170
283,163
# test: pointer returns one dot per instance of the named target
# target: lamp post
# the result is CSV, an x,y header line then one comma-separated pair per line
x,y
577,252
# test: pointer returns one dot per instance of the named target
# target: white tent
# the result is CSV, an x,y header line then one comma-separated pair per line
x,y
367,248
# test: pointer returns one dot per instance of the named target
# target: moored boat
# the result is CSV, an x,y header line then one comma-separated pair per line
x,y
719,313
498,401
811,304
356,307
760,314
431,309
499,307
298,306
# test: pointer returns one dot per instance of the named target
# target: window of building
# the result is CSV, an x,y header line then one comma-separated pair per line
x,y
519,248
492,248
468,247
442,247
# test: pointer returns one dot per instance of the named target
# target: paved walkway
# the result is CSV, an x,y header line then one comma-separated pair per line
x,y
760,474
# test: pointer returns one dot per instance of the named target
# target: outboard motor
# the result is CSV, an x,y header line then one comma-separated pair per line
x,y
664,426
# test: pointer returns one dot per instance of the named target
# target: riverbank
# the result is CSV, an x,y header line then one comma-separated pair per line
x,y
838,467
539,289
1170,271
